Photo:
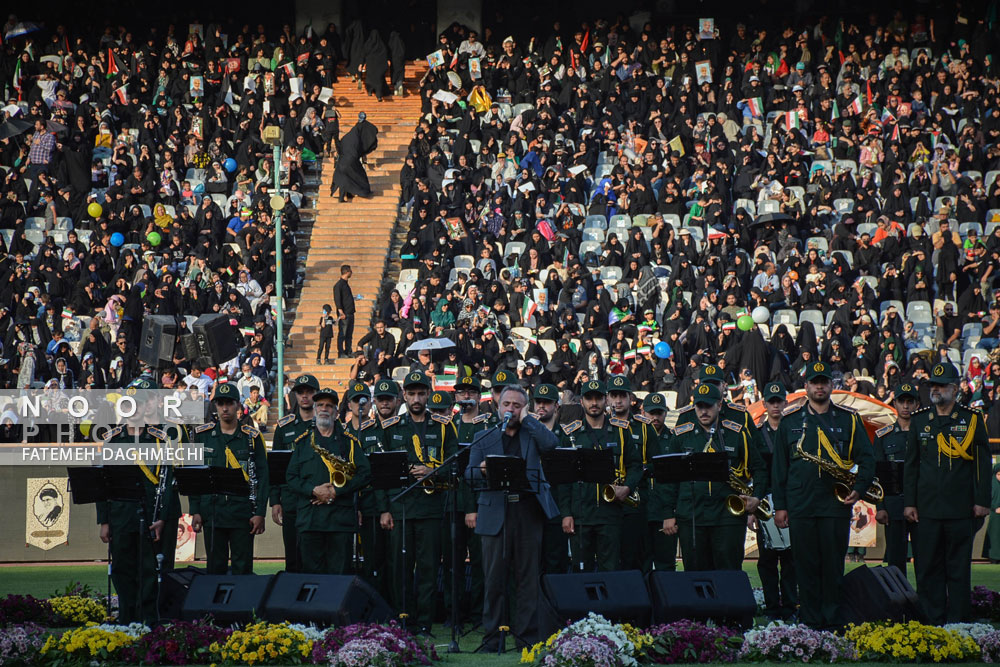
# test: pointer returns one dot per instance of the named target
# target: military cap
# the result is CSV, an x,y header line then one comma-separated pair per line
x,y
707,393
654,402
546,392
594,387
386,388
417,378
306,381
619,383
440,400
943,373
818,369
774,390
357,390
328,393
502,378
468,382
227,391
710,373
907,389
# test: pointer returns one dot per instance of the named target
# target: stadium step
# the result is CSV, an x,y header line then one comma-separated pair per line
x,y
360,232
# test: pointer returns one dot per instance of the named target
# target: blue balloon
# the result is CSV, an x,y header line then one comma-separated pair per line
x,y
230,165
117,240
661,350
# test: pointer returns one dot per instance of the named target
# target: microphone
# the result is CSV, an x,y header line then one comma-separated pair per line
x,y
159,568
506,419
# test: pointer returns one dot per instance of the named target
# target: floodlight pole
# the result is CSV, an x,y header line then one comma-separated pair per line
x,y
277,205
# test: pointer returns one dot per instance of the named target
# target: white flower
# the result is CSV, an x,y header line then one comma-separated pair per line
x,y
974,630
596,625
134,630
310,632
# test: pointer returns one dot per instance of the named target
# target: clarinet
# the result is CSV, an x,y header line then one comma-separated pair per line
x,y
161,488
252,474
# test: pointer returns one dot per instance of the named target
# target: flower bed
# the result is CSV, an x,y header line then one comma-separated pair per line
x,y
20,644
911,642
688,641
91,643
778,642
264,644
404,648
77,610
985,603
179,643
18,609
572,645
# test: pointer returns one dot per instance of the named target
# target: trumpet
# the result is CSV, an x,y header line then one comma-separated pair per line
x,y
341,471
737,506
608,493
845,476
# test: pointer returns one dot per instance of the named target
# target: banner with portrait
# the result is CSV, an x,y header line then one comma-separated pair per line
x,y
863,526
46,523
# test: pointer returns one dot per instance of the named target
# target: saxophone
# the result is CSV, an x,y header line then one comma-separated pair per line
x,y
737,506
845,476
342,471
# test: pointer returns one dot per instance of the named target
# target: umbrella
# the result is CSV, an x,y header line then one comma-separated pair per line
x,y
436,346
772,217
21,29
55,128
14,127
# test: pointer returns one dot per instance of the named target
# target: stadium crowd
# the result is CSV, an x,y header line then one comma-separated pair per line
x,y
578,195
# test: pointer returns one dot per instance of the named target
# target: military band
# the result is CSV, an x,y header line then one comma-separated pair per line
x,y
794,477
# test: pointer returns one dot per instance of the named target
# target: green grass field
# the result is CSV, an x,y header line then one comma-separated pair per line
x,y
44,580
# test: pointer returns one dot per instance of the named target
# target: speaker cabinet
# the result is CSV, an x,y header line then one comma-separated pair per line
x,y
878,594
724,596
227,598
156,345
619,596
215,338
325,599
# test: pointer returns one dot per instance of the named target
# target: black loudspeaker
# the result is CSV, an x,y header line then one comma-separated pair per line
x,y
618,596
156,346
326,599
216,338
174,590
227,598
878,594
724,596
192,352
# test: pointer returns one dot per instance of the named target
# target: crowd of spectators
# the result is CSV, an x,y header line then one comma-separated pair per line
x,y
576,195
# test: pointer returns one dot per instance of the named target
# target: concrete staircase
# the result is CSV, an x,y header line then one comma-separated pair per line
x,y
359,232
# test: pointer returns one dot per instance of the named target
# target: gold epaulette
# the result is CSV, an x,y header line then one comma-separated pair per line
x,y
286,420
113,433
683,428
302,435
736,406
481,418
204,427
440,419
882,431
792,408
731,425
391,421
643,419
250,430
367,424
156,432
620,423
572,427
686,408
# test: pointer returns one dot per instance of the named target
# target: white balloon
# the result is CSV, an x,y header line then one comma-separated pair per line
x,y
761,315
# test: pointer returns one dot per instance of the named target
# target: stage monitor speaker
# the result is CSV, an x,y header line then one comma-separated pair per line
x,y
192,352
619,596
878,594
227,598
326,599
174,590
156,345
724,596
216,338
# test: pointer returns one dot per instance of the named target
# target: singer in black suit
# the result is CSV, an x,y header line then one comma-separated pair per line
x,y
524,517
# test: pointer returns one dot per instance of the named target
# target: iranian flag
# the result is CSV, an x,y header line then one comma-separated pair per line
x,y
834,111
756,106
729,326
485,395
887,117
67,314
528,308
895,133
855,107
247,331
450,369
289,68
630,355
645,329
18,78
645,349
792,120
121,94
444,380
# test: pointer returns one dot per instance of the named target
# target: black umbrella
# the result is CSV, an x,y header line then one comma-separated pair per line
x,y
14,127
56,128
772,217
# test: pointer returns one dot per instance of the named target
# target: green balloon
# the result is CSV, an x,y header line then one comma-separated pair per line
x,y
154,238
745,322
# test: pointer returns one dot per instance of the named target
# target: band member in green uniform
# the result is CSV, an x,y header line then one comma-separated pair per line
x,y
469,421
555,545
946,489
663,547
428,440
635,552
375,503
816,441
290,432
711,536
735,412
595,522
890,445
134,552
781,598
323,479
230,522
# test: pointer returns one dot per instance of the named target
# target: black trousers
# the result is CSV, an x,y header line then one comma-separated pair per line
x,y
290,538
345,334
898,534
325,340
819,546
781,595
942,559
517,548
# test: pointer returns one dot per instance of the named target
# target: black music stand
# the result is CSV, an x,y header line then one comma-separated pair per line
x,y
390,470
565,465
890,476
277,465
506,474
691,467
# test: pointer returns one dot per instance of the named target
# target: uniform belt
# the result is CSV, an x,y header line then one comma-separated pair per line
x,y
513,498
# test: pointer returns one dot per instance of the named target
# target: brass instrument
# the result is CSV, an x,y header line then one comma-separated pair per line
x,y
845,477
342,471
737,506
608,493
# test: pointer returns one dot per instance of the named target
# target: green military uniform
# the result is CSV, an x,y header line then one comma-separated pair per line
x,y
133,555
781,598
428,443
890,445
326,531
290,432
371,503
471,601
711,537
819,524
947,471
555,545
598,524
226,518
662,547
731,411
